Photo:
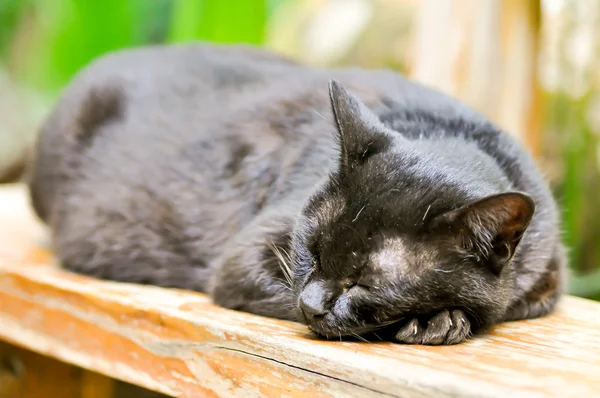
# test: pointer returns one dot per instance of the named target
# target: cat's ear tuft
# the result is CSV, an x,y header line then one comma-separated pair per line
x,y
360,132
492,226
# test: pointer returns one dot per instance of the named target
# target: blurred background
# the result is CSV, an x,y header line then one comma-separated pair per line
x,y
532,66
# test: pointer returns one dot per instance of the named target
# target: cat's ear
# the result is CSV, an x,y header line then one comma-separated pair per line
x,y
493,226
360,132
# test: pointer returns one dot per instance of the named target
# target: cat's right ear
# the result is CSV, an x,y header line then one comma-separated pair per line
x,y
360,132
492,227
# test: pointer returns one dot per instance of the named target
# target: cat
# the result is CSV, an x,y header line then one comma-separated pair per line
x,y
354,201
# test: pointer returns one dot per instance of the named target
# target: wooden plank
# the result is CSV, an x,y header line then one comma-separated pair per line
x,y
180,344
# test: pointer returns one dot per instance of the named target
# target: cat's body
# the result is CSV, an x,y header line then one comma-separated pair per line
x,y
209,168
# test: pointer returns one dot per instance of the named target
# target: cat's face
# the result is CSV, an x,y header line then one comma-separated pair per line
x,y
376,245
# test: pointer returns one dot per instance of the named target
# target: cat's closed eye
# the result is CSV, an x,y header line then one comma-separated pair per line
x,y
348,284
316,260
360,283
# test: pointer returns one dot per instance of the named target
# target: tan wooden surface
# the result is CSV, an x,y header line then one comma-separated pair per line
x,y
180,344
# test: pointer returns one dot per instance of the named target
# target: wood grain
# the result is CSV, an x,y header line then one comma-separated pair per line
x,y
180,344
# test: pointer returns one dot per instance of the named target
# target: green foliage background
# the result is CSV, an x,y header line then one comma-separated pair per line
x,y
67,34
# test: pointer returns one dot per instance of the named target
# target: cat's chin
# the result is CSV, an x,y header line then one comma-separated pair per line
x,y
330,334
325,328
363,334
332,328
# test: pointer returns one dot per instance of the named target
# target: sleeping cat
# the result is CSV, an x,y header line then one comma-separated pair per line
x,y
352,200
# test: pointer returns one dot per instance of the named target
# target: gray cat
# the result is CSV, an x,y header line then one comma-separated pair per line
x,y
268,185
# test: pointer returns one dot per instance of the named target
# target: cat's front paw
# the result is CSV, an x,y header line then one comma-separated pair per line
x,y
446,327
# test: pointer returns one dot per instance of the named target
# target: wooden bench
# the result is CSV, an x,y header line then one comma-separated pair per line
x,y
180,344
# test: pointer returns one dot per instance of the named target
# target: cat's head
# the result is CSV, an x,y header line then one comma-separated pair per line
x,y
390,235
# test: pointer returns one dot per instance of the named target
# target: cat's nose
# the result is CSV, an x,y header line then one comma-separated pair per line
x,y
313,301
311,312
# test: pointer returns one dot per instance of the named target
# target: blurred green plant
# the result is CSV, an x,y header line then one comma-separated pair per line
x,y
219,21
78,31
64,35
576,191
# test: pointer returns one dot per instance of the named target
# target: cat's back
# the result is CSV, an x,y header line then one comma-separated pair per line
x,y
132,105
178,117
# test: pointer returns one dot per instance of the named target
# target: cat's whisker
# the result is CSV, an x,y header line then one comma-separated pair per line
x,y
426,212
359,337
324,118
358,214
472,314
387,323
284,283
287,255
283,264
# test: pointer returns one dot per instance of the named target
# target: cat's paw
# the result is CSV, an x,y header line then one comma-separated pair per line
x,y
446,327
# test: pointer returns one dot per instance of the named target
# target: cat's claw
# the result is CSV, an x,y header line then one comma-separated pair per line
x,y
446,327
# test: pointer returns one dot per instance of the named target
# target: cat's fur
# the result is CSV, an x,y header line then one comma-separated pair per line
x,y
235,172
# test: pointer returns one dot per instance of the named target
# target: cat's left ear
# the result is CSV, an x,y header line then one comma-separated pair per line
x,y
492,226
360,132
